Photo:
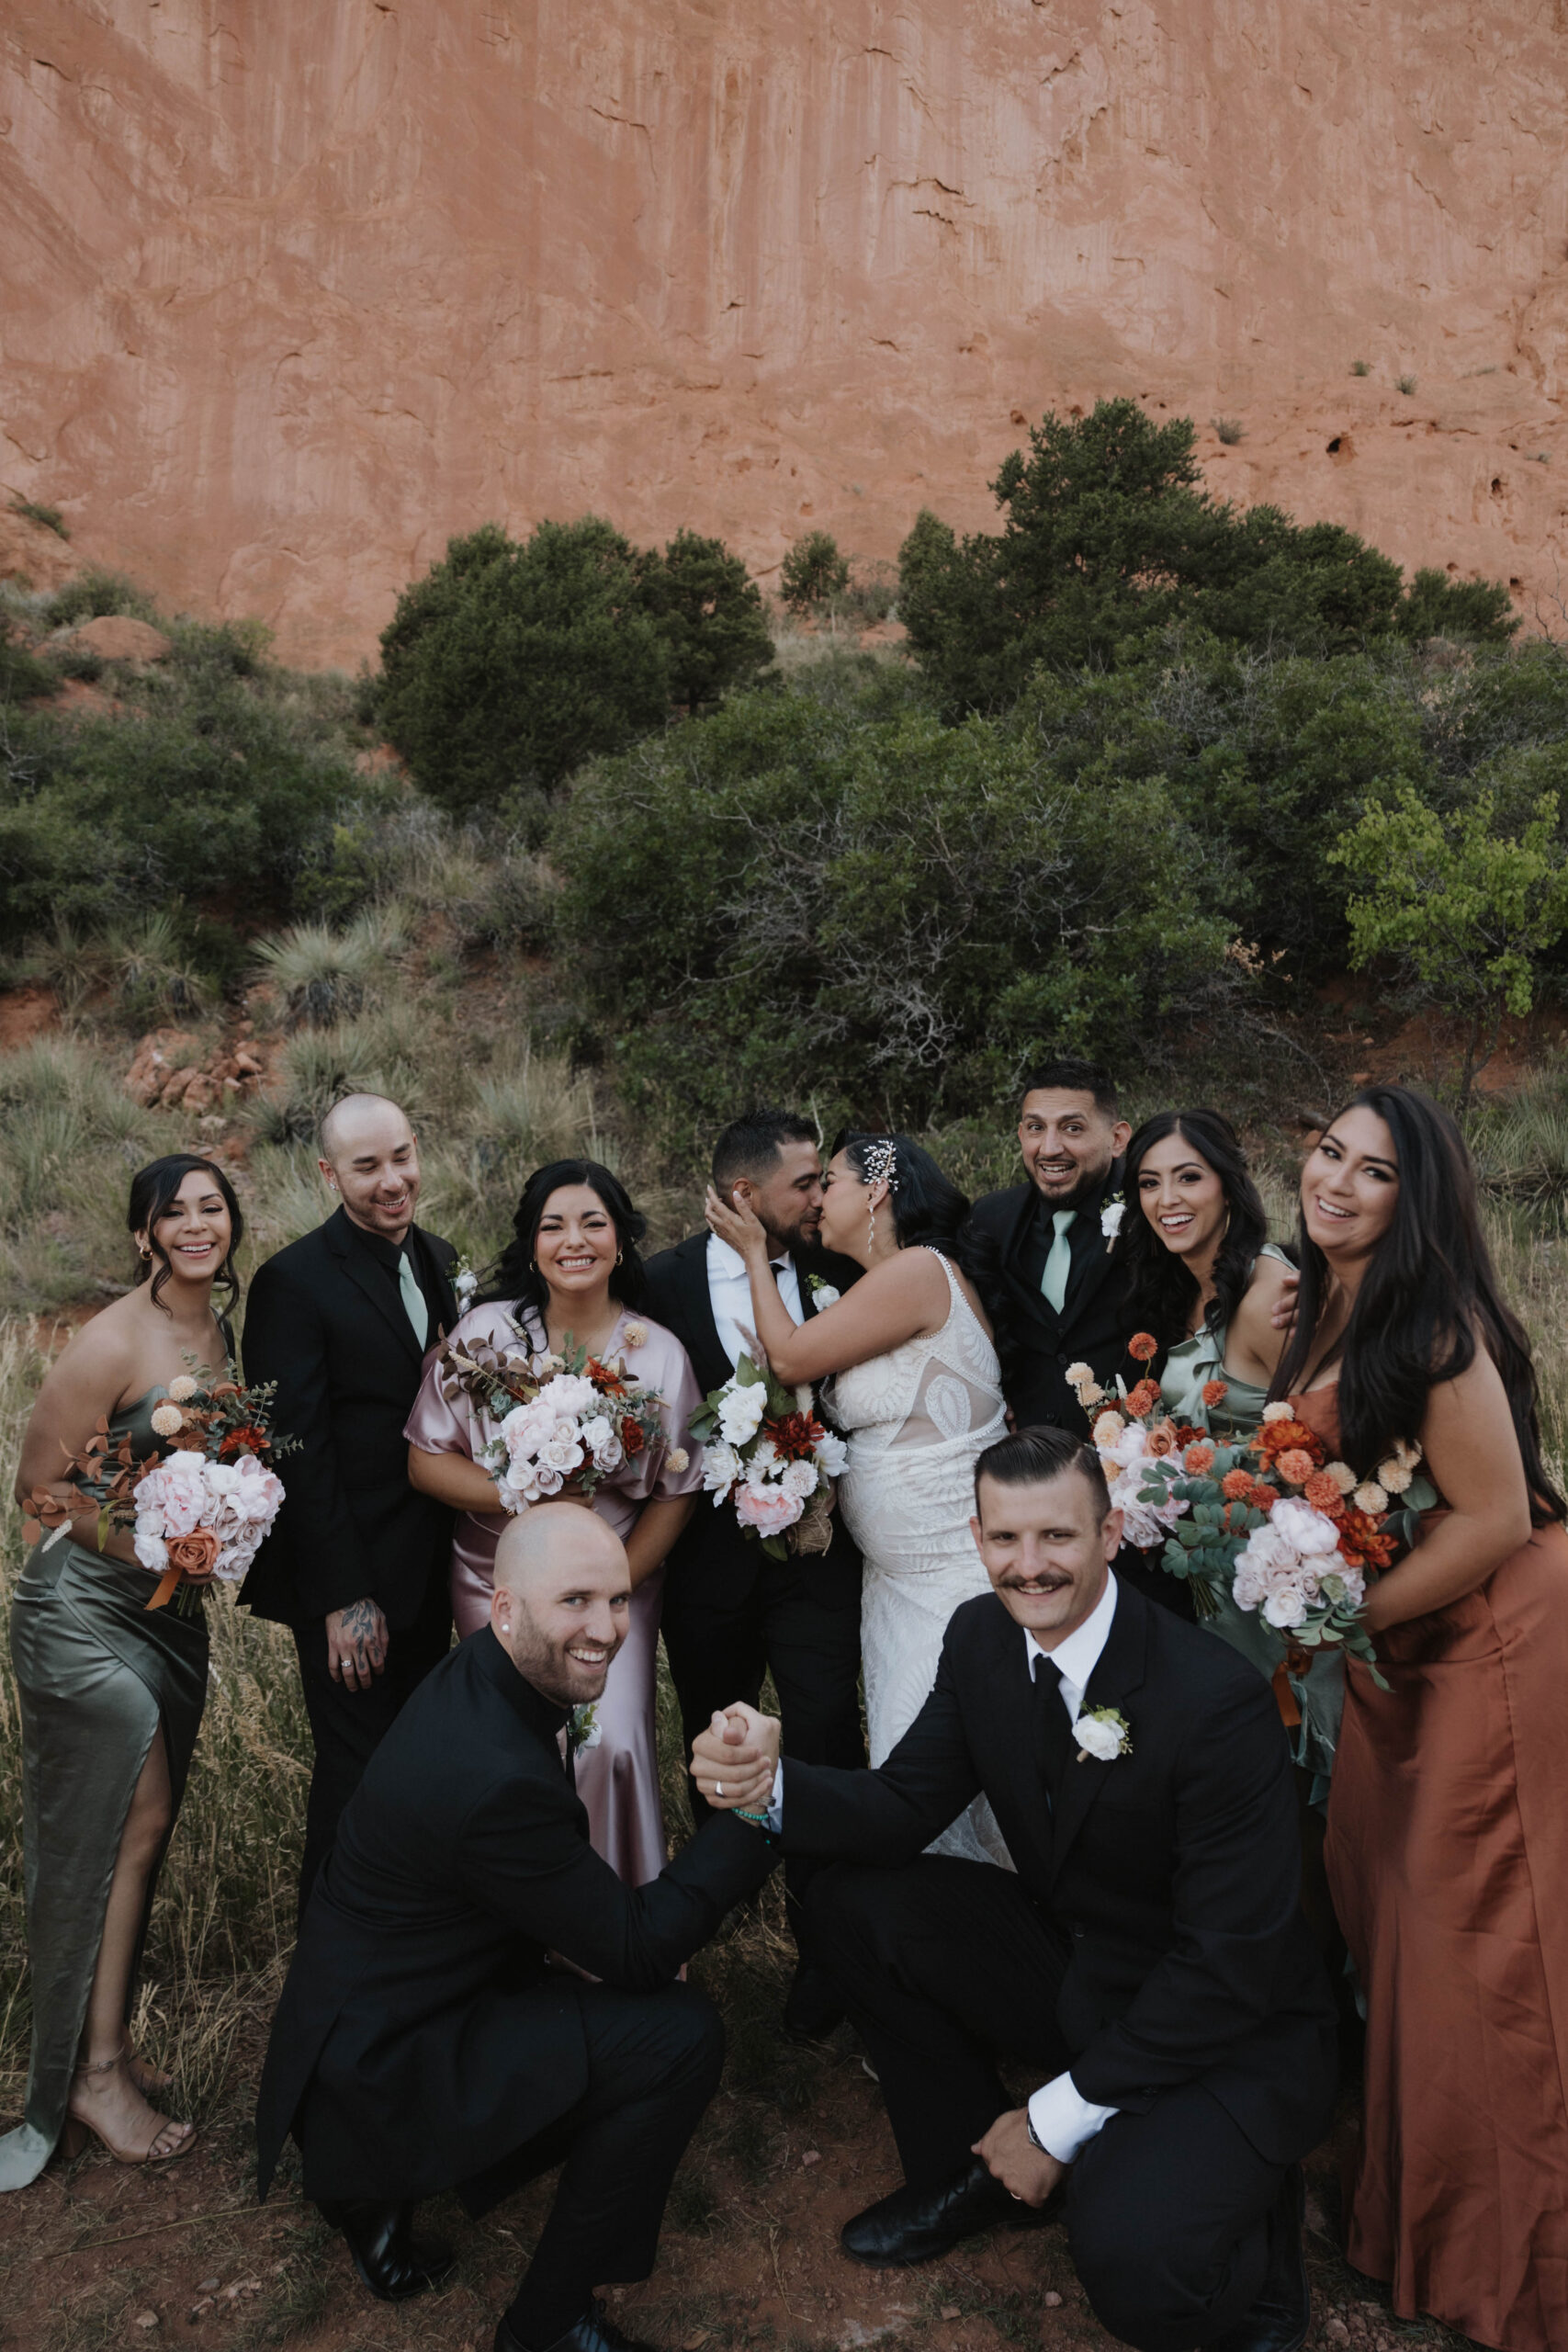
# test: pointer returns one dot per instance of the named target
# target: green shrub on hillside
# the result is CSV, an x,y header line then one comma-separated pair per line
x,y
832,895
1110,534
506,666
813,573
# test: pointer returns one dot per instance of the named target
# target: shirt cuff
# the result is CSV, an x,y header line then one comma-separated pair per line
x,y
776,1803
1064,2121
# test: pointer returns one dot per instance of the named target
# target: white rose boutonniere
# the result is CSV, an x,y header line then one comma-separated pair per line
x,y
584,1729
1103,1734
1110,1217
465,1281
825,1294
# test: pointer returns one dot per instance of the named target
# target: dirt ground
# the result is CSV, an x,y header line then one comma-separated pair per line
x,y
97,2255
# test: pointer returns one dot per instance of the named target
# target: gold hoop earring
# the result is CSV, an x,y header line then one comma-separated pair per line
x,y
146,1257
619,1255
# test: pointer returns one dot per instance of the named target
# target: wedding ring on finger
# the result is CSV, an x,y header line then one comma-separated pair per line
x,y
718,1788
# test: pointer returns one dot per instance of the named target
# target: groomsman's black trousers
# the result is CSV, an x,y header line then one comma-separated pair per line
x,y
729,1620
654,2062
347,1727
945,1966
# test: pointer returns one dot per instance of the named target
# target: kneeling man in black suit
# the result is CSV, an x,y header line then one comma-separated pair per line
x,y
1149,1957
423,2041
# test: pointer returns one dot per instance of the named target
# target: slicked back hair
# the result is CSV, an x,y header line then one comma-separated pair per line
x,y
751,1145
1073,1076
1029,1457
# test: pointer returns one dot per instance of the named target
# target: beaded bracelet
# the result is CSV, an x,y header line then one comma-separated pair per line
x,y
761,1819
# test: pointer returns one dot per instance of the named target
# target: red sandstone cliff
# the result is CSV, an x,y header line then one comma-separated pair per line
x,y
291,290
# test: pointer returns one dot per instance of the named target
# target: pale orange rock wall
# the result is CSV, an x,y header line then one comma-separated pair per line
x,y
292,289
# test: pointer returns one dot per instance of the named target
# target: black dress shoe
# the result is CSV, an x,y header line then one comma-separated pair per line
x,y
813,2005
389,2261
1279,2319
917,2224
594,2332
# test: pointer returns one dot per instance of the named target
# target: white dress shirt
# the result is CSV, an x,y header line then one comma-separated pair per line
x,y
1064,2121
729,1290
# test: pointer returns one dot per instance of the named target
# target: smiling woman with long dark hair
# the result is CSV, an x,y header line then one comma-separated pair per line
x,y
571,1275
111,1693
1447,1824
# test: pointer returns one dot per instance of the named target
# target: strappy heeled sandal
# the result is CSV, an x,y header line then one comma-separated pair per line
x,y
77,2128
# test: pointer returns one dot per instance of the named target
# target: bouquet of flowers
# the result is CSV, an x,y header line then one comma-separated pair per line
x,y
197,1513
1269,1521
562,1423
764,1444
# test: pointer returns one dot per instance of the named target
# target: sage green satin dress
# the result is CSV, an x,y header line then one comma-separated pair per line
x,y
97,1674
1320,1693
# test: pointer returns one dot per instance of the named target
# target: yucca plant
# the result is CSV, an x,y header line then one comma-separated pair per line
x,y
325,976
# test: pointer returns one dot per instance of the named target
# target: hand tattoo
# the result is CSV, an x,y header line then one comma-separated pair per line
x,y
359,1621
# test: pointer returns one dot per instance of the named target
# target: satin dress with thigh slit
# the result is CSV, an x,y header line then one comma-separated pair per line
x,y
97,1674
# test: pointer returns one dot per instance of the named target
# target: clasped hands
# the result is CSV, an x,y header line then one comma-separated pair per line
x,y
735,1761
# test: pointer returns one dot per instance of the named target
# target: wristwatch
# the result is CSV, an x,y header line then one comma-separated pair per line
x,y
1035,2139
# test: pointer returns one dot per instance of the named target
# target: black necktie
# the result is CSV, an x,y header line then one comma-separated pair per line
x,y
1054,1733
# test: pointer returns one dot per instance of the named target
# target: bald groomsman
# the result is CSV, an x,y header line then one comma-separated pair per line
x,y
358,1564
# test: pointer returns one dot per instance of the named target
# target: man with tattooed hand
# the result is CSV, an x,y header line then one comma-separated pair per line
x,y
356,1565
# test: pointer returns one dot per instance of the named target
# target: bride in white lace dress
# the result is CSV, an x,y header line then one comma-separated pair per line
x,y
916,1388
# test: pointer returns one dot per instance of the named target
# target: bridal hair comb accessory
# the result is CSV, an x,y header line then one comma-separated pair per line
x,y
881,1163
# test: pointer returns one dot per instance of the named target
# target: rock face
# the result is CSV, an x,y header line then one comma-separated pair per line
x,y
115,637
293,291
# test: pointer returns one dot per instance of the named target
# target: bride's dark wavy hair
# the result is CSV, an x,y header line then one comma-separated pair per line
x,y
928,1207
1428,1296
153,1191
514,1275
1160,1290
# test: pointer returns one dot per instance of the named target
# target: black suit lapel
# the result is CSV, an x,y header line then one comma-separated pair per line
x,y
1088,1278
1118,1672
704,1345
356,1264
1013,1695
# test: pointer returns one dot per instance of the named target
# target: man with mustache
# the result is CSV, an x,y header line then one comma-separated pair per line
x,y
428,2037
1040,1252
356,1565
1148,1960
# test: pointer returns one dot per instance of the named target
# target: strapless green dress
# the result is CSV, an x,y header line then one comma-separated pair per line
x,y
1320,1693
98,1673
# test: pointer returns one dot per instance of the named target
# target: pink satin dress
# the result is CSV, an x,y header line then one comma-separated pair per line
x,y
617,1777
1448,1861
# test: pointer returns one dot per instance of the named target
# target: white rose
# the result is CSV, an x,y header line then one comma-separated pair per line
x,y
547,1480
832,1453
571,1394
1284,1607
1110,1217
561,1452
1305,1529
1098,1738
825,1295
151,1550
610,1455
741,1412
800,1479
721,1467
1370,1497
595,1432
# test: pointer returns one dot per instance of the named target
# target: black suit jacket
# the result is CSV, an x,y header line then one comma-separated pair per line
x,y
1004,1251
420,2038
1171,1874
713,1548
323,1322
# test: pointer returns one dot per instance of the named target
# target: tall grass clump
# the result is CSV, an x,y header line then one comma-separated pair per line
x,y
70,1138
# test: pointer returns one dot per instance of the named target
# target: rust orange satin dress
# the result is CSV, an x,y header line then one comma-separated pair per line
x,y
1448,1860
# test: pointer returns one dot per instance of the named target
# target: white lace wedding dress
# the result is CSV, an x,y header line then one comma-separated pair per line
x,y
915,1420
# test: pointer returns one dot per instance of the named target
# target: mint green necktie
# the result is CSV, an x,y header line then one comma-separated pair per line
x,y
413,1298
1058,1259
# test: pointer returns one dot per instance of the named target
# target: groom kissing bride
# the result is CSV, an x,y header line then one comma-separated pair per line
x,y
1148,1960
